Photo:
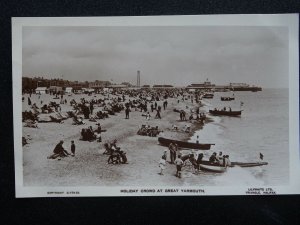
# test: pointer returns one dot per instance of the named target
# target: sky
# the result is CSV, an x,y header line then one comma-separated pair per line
x,y
164,55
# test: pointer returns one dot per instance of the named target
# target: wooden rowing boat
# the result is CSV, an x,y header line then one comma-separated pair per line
x,y
184,144
225,113
227,98
212,167
208,95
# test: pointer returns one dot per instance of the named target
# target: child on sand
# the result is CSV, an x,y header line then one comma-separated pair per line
x,y
162,162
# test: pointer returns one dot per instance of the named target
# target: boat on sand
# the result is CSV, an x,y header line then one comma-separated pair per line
x,y
225,113
183,144
212,167
248,164
227,98
217,168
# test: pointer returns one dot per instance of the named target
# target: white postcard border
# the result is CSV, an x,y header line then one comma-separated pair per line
x,y
289,20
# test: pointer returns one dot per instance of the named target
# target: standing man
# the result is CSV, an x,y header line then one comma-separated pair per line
x,y
91,108
73,148
157,116
172,153
127,110
98,131
29,101
178,163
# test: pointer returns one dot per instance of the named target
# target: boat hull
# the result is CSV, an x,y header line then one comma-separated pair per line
x,y
208,96
227,99
248,164
225,113
207,166
183,144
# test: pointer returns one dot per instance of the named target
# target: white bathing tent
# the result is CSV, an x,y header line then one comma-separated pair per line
x,y
68,89
41,90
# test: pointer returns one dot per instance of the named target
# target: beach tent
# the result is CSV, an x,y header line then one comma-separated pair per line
x,y
41,90
68,90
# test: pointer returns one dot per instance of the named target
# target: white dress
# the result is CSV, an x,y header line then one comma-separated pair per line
x,y
162,164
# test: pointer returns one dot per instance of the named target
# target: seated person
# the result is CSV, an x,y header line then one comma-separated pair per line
x,y
199,160
59,151
78,120
113,145
174,127
187,128
213,158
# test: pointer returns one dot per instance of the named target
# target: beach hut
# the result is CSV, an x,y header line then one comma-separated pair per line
x,y
68,90
41,90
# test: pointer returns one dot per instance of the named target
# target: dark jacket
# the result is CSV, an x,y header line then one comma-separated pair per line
x,y
58,148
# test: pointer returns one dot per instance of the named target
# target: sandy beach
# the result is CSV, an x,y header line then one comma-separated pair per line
x,y
89,166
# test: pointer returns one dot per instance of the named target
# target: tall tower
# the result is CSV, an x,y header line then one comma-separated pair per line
x,y
138,81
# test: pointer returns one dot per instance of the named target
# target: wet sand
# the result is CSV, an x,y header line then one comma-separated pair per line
x,y
89,167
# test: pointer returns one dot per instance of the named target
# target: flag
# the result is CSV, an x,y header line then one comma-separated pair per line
x,y
261,156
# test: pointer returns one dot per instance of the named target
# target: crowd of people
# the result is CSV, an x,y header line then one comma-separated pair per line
x,y
151,103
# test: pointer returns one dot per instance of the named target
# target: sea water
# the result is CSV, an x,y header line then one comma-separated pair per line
x,y
262,128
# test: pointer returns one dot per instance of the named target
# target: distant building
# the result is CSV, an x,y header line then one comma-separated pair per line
x,y
55,89
117,86
205,85
99,84
162,86
41,90
127,84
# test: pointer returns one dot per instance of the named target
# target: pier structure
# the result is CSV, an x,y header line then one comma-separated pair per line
x,y
207,85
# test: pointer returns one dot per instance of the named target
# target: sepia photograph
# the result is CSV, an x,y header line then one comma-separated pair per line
x,y
184,105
